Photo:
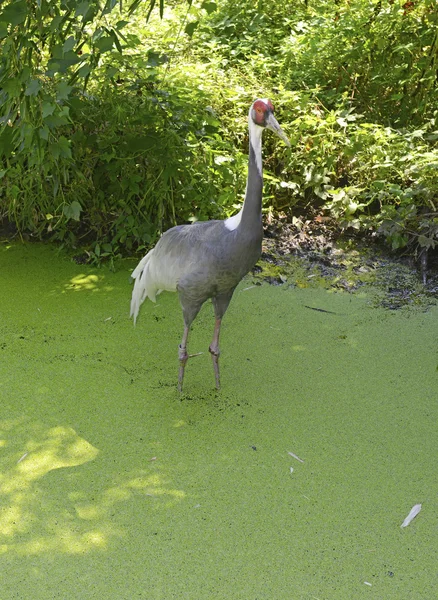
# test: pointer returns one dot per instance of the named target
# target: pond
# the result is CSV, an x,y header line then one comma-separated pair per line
x,y
292,481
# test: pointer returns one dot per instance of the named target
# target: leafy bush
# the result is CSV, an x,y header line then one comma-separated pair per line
x,y
113,129
381,55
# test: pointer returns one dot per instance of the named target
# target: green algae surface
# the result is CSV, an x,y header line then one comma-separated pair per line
x,y
114,486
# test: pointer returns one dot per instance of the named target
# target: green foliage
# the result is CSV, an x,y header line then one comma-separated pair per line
x,y
382,55
49,50
118,120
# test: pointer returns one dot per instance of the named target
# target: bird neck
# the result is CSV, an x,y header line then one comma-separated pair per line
x,y
250,215
252,206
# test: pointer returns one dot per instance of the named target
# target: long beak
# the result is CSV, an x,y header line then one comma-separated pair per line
x,y
273,125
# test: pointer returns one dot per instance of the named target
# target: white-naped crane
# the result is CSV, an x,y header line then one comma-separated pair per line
x,y
207,259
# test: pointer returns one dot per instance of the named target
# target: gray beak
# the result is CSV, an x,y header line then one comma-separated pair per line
x,y
273,125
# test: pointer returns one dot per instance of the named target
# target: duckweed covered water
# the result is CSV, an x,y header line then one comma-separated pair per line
x,y
115,486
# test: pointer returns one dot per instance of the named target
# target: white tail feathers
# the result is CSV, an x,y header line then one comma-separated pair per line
x,y
159,270
141,291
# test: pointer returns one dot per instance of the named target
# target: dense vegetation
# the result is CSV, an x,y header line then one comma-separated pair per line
x,y
118,120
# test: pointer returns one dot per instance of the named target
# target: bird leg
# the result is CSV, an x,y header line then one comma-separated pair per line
x,y
183,357
215,352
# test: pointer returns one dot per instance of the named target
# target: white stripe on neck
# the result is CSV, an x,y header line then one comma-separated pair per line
x,y
255,139
233,222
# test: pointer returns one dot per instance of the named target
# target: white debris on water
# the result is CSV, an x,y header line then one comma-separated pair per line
x,y
413,513
295,456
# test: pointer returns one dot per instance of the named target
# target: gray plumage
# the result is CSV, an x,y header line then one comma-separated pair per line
x,y
209,258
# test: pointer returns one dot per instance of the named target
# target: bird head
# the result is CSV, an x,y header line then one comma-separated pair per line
x,y
262,114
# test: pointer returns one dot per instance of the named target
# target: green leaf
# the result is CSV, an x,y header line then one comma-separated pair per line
x,y
190,28
110,72
116,40
426,242
8,139
3,29
84,71
55,23
61,65
14,191
44,133
82,9
155,59
69,44
54,121
105,43
64,147
63,90
25,74
12,87
33,87
15,13
109,5
47,109
73,210
209,6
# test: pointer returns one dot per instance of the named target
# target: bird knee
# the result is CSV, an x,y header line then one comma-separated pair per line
x,y
182,355
214,351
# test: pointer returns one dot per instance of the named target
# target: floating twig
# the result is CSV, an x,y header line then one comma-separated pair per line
x,y
295,456
22,458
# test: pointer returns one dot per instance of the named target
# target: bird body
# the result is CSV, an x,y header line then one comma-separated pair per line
x,y
207,259
184,257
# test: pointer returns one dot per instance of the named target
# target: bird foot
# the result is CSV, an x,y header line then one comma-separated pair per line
x,y
183,358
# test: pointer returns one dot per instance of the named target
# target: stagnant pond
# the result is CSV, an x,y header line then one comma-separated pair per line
x,y
292,482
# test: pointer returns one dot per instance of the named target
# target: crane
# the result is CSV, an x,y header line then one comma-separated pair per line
x,y
207,259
